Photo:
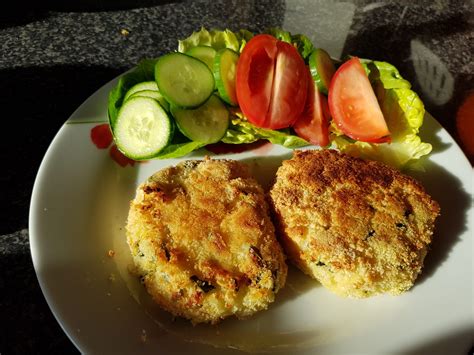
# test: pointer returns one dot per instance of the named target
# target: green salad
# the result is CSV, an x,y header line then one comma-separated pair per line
x,y
240,87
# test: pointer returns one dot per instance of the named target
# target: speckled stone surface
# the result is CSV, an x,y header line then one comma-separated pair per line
x,y
53,57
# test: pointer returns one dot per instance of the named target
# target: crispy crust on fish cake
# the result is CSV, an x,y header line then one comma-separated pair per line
x,y
359,227
203,242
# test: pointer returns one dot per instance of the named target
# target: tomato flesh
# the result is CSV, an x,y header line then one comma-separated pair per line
x,y
257,61
289,88
314,121
271,82
353,105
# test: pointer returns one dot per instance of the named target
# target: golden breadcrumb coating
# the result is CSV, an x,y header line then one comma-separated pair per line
x,y
359,227
203,242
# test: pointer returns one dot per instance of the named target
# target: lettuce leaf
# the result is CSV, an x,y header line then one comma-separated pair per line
x,y
279,34
241,131
177,150
403,111
144,71
214,38
303,45
387,74
397,154
301,42
243,36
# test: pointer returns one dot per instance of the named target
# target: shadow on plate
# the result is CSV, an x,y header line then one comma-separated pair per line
x,y
264,168
446,188
455,202
263,332
429,132
461,340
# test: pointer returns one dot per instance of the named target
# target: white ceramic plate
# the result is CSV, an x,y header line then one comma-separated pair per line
x,y
78,211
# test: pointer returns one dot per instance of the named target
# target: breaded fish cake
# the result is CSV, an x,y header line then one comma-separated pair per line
x,y
359,227
203,242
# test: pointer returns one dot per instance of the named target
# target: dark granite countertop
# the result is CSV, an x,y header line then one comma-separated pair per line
x,y
55,55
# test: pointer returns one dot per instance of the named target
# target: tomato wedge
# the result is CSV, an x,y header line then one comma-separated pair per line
x,y
314,121
353,105
271,82
254,77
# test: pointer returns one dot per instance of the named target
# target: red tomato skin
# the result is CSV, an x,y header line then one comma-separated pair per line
x,y
353,104
271,82
290,86
313,124
254,96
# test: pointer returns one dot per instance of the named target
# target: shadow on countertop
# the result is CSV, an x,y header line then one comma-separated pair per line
x,y
39,100
17,14
30,327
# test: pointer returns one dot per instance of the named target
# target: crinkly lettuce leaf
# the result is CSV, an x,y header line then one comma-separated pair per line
x,y
387,74
241,131
403,111
237,40
301,42
397,154
214,38
144,71
303,45
243,36
279,34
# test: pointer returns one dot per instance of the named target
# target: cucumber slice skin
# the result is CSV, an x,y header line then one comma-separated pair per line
x,y
184,81
154,95
207,124
143,128
205,54
225,67
322,69
145,85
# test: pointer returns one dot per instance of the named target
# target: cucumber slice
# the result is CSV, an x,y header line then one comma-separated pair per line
x,y
154,95
146,85
143,128
205,54
207,123
225,65
184,81
322,69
